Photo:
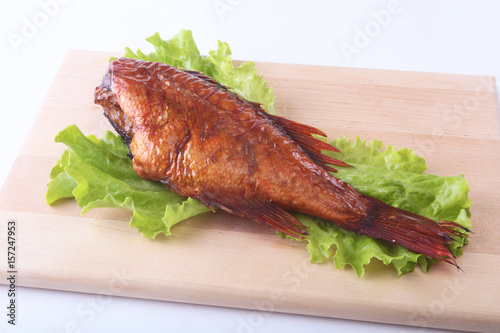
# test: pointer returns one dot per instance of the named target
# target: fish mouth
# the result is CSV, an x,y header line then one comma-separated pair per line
x,y
107,99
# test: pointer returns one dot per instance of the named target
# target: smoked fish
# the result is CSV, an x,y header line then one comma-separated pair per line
x,y
203,141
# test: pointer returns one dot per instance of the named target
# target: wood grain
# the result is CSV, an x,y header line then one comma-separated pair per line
x,y
222,260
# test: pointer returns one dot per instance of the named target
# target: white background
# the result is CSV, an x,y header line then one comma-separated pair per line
x,y
433,36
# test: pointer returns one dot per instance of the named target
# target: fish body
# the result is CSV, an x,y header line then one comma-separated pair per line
x,y
205,142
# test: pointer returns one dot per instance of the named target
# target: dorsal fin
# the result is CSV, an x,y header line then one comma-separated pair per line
x,y
303,135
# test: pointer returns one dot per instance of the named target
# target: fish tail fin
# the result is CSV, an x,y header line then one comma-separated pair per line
x,y
415,232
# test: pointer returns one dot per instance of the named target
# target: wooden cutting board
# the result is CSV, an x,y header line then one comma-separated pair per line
x,y
218,259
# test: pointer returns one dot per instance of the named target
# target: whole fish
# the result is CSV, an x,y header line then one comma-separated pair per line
x,y
205,142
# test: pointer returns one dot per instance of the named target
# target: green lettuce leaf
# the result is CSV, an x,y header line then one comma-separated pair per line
x,y
98,173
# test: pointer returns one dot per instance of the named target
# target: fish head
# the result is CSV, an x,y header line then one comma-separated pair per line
x,y
133,96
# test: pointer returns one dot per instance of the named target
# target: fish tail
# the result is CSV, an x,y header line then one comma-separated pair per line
x,y
415,232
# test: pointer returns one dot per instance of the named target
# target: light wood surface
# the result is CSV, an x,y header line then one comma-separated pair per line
x,y
222,260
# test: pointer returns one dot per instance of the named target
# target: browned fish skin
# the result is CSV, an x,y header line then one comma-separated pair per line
x,y
205,142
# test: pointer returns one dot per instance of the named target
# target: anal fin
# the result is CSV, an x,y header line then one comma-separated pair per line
x,y
263,212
